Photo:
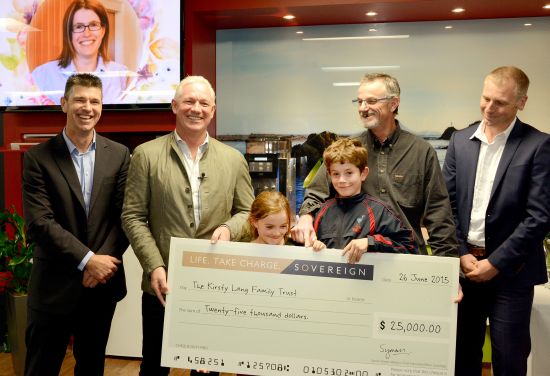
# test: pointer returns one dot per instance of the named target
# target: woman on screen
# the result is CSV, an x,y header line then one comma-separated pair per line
x,y
85,49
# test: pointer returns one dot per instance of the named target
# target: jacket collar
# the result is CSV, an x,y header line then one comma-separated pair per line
x,y
514,139
391,140
347,202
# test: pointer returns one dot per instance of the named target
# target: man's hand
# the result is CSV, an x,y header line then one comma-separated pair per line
x,y
221,233
468,263
460,295
355,249
88,280
159,284
484,272
102,267
303,232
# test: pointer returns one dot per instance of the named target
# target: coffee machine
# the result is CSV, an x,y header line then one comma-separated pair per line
x,y
270,165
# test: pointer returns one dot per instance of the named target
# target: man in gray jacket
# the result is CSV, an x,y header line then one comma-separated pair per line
x,y
184,184
404,171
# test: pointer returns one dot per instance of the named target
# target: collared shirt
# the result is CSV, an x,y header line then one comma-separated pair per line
x,y
380,162
84,166
487,164
192,169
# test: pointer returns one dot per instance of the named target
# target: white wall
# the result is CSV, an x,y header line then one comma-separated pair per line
x,y
271,81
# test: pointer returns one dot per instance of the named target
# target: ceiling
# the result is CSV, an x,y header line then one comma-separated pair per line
x,y
228,14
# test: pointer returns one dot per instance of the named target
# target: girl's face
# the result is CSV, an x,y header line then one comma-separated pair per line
x,y
272,229
87,42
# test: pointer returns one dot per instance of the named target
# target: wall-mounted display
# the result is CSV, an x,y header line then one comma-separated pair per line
x,y
134,46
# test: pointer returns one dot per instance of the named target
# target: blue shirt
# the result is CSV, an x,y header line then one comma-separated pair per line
x,y
84,165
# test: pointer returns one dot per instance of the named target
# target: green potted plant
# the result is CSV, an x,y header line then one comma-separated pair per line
x,y
15,269
15,252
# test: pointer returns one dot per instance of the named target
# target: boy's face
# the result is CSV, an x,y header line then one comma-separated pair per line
x,y
347,178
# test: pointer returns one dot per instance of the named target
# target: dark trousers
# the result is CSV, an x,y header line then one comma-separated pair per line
x,y
48,335
509,312
152,313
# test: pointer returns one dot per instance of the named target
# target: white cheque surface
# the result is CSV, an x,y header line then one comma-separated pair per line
x,y
282,310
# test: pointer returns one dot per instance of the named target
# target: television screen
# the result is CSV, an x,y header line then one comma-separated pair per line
x,y
134,46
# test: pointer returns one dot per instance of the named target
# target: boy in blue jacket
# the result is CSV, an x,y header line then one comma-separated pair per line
x,y
354,221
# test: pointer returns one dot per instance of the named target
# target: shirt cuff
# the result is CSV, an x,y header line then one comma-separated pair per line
x,y
85,260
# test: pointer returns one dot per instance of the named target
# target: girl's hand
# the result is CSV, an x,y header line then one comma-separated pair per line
x,y
318,245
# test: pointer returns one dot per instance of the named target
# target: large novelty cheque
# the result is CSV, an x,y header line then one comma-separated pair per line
x,y
282,310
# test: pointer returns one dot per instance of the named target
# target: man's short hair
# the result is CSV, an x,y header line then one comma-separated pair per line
x,y
82,79
390,82
195,80
515,74
346,150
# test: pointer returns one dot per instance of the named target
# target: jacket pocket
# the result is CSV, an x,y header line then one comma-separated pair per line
x,y
407,189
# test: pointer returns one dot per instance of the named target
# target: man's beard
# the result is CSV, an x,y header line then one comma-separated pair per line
x,y
371,123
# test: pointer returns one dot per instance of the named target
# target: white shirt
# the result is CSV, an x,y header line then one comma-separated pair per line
x,y
195,176
487,164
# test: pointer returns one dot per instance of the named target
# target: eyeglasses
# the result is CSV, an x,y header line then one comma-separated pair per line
x,y
369,101
92,26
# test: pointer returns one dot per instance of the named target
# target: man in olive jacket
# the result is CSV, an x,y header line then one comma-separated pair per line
x,y
184,184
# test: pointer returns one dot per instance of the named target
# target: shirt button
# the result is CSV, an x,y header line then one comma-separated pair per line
x,y
191,224
189,206
382,171
187,189
383,190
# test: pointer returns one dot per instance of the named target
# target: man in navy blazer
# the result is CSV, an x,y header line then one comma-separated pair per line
x,y
73,187
498,176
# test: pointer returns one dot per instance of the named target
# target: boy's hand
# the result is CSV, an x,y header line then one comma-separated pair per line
x,y
318,245
355,249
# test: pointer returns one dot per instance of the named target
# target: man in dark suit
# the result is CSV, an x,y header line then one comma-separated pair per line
x,y
498,176
73,187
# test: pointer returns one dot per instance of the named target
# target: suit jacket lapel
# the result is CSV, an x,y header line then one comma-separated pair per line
x,y
63,159
507,155
470,165
102,157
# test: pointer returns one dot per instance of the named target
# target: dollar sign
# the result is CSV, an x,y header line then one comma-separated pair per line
x,y
382,325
